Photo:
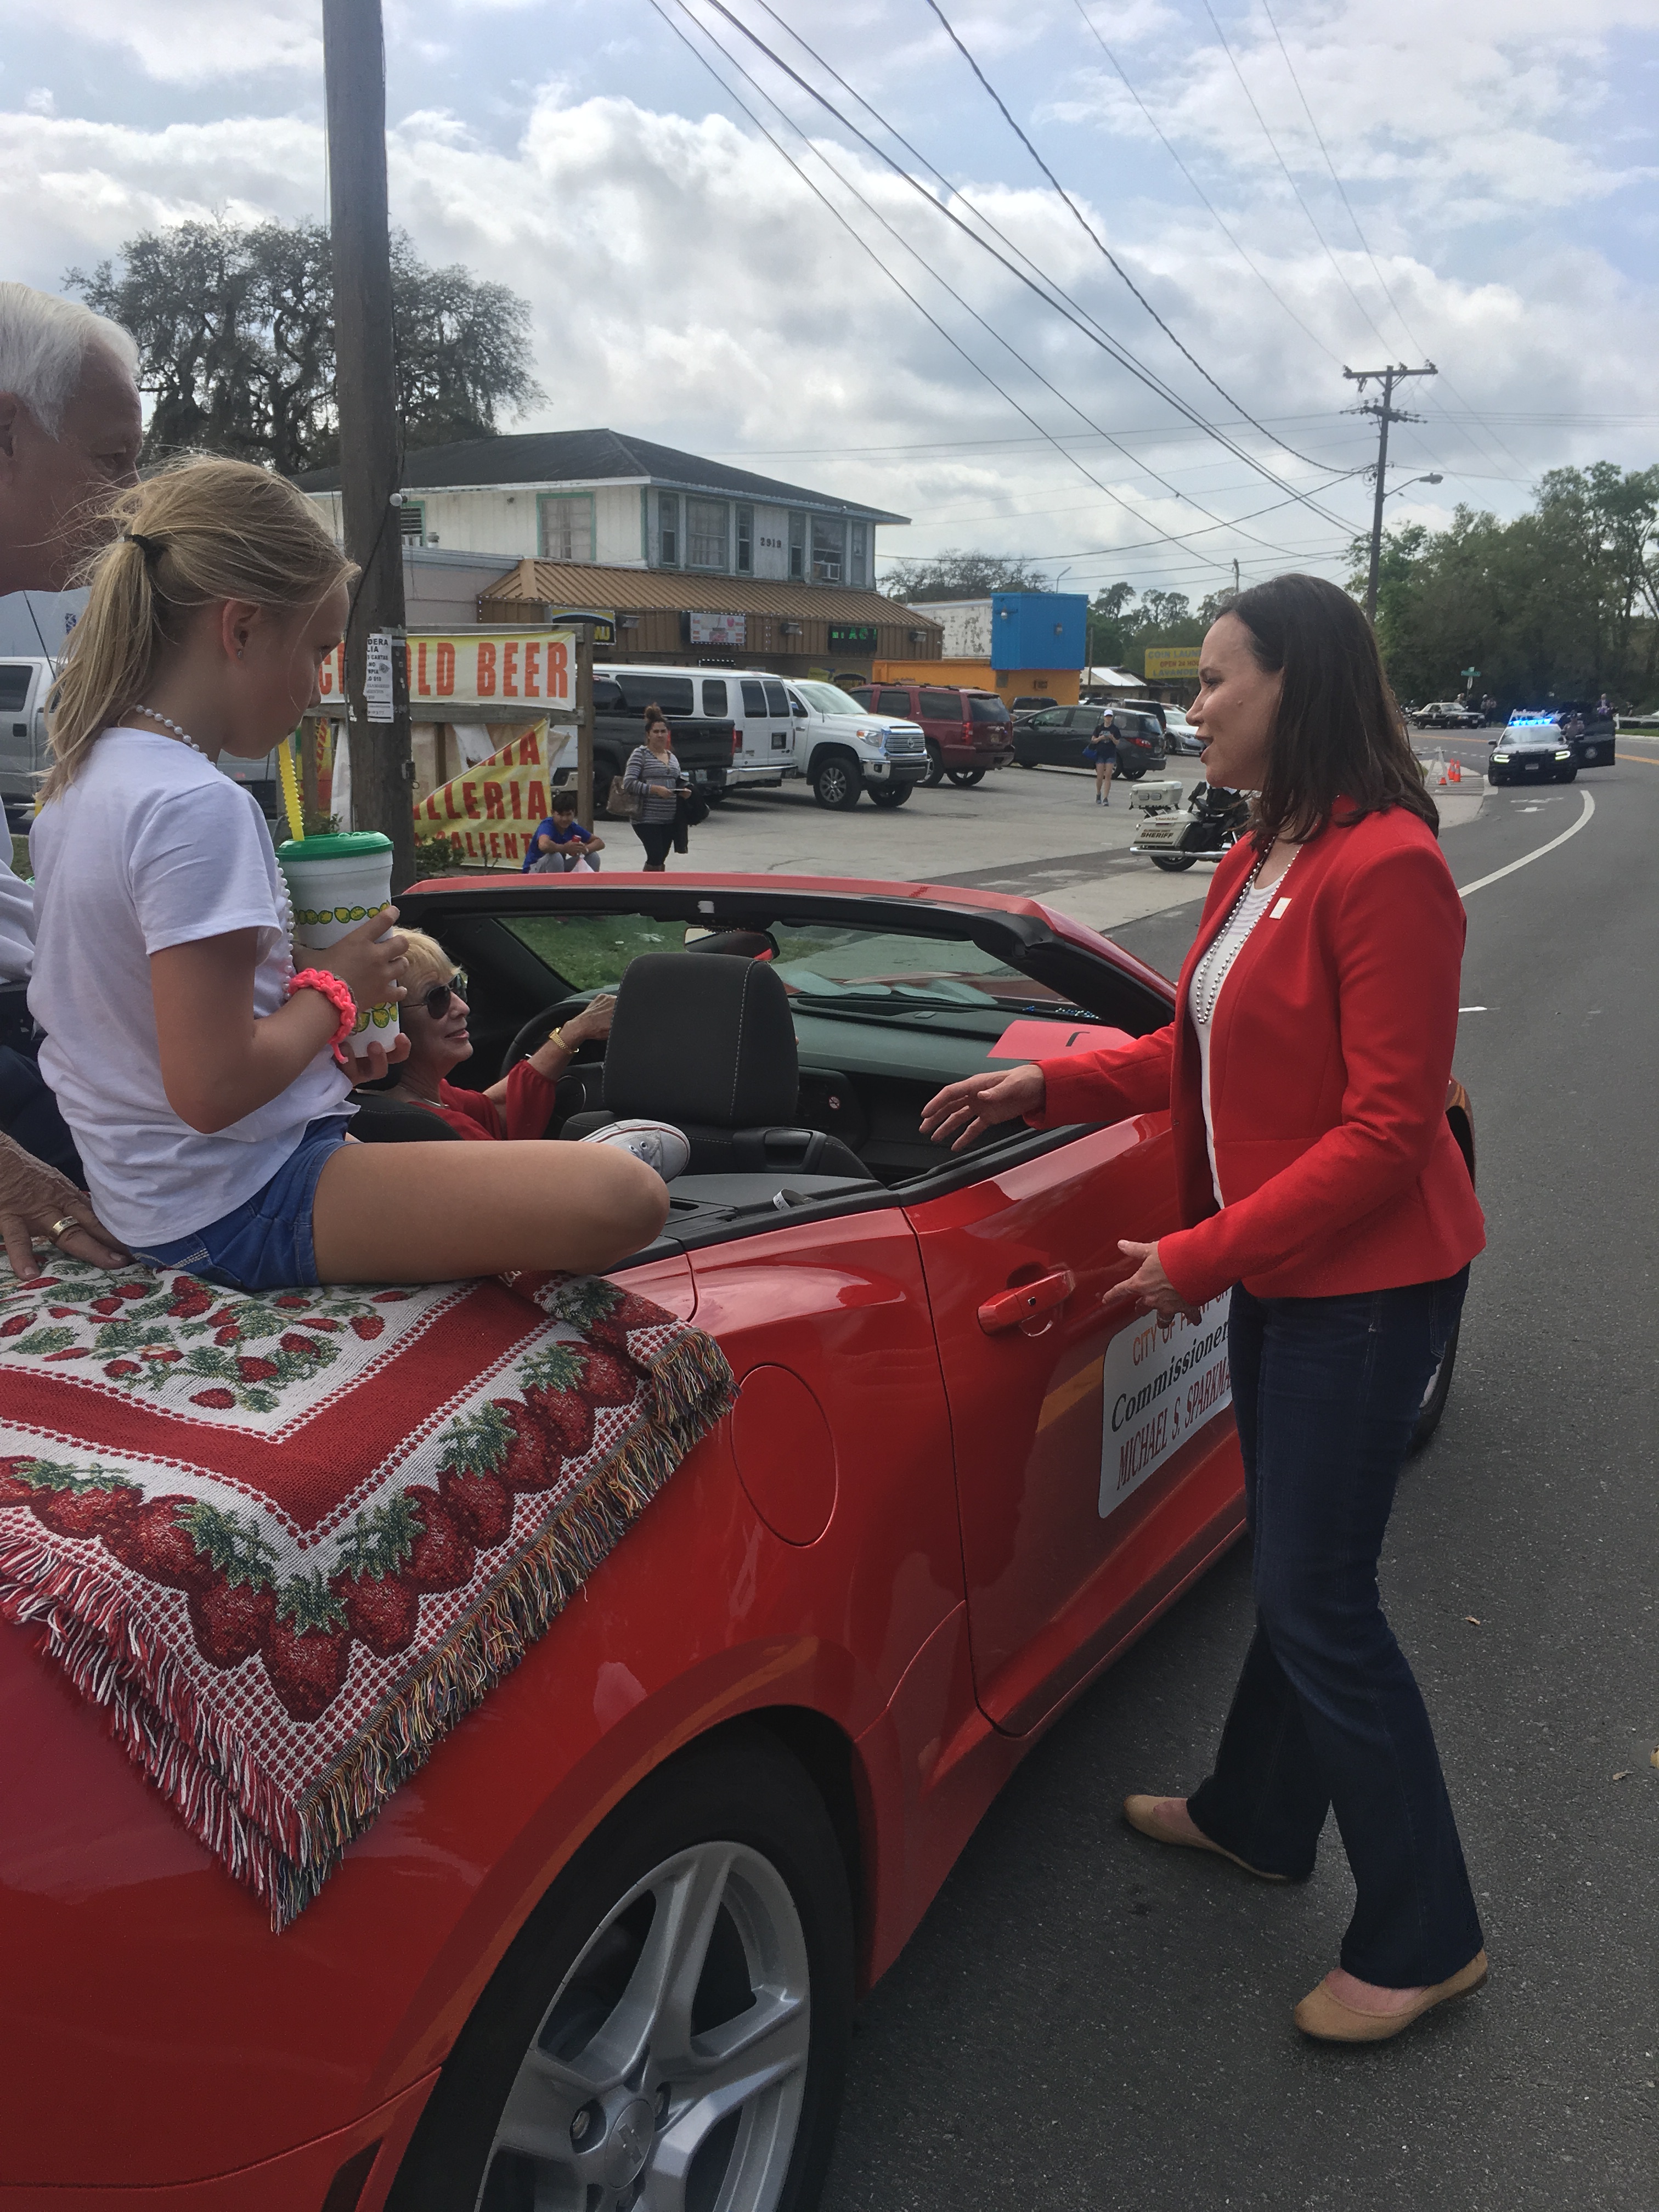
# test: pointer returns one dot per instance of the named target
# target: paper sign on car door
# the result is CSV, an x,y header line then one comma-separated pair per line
x,y
1160,1383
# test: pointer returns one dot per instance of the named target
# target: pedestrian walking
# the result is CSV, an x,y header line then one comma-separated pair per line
x,y
1101,753
653,776
1320,1187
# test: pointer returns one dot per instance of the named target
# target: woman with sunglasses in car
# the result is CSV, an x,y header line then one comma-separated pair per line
x,y
433,1019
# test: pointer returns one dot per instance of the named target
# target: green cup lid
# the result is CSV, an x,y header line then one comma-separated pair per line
x,y
353,845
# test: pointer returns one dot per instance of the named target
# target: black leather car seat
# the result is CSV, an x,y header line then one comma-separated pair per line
x,y
381,1121
709,1045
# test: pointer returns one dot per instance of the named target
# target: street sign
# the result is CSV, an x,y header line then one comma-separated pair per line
x,y
1469,675
1171,664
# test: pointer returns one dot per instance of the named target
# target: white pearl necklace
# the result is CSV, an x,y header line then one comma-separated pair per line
x,y
175,728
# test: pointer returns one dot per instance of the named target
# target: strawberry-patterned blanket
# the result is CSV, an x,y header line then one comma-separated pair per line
x,y
289,1540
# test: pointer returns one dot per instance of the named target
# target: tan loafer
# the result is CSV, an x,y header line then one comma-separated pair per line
x,y
1327,2019
1143,1815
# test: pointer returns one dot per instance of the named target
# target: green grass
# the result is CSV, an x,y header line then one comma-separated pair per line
x,y
20,854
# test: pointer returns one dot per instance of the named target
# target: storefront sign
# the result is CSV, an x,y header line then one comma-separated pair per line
x,y
1172,664
1160,1383
716,629
450,674
853,637
494,807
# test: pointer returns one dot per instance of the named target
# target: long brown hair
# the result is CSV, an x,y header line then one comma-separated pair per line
x,y
201,530
1338,733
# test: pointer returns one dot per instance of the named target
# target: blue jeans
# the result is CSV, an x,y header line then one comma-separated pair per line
x,y
265,1243
1327,1714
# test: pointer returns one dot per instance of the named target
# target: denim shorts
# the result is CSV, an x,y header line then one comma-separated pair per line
x,y
265,1243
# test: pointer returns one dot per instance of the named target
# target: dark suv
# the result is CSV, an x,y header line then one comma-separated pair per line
x,y
1055,737
966,732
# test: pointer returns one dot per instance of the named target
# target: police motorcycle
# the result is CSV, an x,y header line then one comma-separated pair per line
x,y
1172,837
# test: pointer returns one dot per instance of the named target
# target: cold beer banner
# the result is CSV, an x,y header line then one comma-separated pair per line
x,y
494,807
450,678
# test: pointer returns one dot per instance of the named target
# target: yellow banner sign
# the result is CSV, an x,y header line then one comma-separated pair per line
x,y
1170,663
495,807
449,675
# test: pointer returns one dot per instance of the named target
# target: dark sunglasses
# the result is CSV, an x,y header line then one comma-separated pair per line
x,y
437,998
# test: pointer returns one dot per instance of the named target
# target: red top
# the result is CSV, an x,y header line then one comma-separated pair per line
x,y
1330,1054
529,1107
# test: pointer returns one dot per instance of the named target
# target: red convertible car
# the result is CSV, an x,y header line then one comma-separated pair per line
x,y
603,1949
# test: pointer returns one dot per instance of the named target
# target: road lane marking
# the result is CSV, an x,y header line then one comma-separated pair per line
x,y
1527,859
1640,759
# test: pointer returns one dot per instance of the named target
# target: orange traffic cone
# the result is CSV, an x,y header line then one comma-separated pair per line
x,y
1455,771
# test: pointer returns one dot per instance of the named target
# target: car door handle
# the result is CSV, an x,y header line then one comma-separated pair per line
x,y
1008,1309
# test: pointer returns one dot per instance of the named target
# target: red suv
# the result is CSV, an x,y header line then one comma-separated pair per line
x,y
966,732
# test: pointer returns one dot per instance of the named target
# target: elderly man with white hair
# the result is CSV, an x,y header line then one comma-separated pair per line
x,y
69,433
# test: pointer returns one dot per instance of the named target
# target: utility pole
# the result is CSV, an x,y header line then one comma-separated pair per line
x,y
1386,412
382,764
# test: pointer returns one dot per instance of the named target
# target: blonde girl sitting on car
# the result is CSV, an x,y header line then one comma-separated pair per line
x,y
194,1068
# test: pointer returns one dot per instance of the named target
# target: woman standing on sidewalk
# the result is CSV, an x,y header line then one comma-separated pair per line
x,y
653,776
1306,1076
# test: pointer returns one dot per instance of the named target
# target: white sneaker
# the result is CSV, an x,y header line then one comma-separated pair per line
x,y
658,1144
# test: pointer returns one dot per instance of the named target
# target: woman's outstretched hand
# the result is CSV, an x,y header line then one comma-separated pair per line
x,y
1149,1286
962,1109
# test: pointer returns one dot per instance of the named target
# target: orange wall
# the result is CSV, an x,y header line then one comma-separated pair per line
x,y
1058,685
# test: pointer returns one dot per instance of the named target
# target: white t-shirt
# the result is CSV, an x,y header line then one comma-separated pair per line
x,y
151,847
16,926
1203,996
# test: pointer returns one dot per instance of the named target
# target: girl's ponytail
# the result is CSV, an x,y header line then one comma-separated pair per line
x,y
200,530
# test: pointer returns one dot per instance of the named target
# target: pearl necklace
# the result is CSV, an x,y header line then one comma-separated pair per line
x,y
1209,982
285,904
175,729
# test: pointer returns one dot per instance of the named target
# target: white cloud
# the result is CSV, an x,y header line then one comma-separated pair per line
x,y
187,42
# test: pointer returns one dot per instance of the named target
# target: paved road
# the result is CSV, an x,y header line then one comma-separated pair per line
x,y
1085,2021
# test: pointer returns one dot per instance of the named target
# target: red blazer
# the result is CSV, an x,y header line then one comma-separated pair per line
x,y
1329,1058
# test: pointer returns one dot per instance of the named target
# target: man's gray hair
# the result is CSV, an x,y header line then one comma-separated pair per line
x,y
44,343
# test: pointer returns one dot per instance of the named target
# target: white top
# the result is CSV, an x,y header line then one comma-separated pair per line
x,y
16,926
1204,994
151,847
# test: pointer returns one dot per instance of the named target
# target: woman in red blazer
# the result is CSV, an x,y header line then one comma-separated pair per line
x,y
1305,1076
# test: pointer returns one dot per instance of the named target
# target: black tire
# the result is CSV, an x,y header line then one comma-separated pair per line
x,y
836,781
935,765
741,1787
1025,763
965,778
890,794
1434,1399
1570,775
1173,863
1131,774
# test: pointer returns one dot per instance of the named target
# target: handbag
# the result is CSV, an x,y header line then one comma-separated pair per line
x,y
622,805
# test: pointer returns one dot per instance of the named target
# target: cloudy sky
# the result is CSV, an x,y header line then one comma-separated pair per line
x,y
1332,182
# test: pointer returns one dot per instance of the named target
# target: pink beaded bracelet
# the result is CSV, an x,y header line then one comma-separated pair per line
x,y
338,994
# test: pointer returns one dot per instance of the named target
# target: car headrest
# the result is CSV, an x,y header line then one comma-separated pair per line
x,y
705,1042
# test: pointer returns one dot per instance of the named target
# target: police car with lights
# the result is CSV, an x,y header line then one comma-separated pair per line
x,y
1533,750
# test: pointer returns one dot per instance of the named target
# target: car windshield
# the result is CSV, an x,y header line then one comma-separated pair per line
x,y
826,698
830,966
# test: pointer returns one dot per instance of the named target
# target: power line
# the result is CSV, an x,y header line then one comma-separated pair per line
x,y
1088,228
1294,496
1226,231
891,276
1090,328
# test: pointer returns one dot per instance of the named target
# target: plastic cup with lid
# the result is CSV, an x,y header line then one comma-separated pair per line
x,y
335,884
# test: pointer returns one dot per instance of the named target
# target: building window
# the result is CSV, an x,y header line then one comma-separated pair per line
x,y
746,541
668,529
828,548
705,533
858,559
566,525
798,548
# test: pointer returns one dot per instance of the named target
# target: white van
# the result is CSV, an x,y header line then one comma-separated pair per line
x,y
24,757
751,701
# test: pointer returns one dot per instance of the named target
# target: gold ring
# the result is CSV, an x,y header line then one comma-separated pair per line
x,y
61,1228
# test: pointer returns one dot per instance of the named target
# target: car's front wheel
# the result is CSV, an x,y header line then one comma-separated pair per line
x,y
890,794
670,2027
836,781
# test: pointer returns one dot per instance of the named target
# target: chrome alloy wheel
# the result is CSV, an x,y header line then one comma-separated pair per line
x,y
668,2072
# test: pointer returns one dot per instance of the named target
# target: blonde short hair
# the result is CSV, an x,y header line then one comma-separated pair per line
x,y
428,959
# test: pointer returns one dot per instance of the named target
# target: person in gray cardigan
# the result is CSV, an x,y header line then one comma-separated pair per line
x,y
653,776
